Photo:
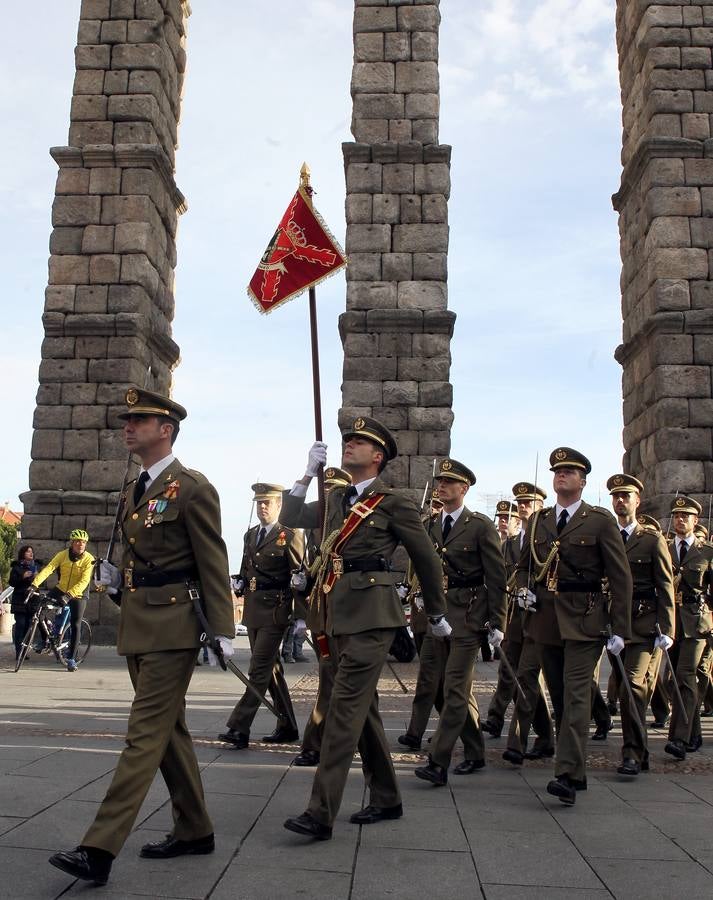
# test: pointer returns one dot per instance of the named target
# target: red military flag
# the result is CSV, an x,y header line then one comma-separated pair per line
x,y
301,253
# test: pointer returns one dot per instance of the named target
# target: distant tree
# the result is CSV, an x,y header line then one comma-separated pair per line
x,y
8,542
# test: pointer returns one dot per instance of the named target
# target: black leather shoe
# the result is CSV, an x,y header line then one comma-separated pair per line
x,y
563,789
540,753
695,744
579,784
432,772
676,748
629,767
645,765
513,756
82,863
306,824
408,740
283,734
236,738
171,847
491,728
371,814
468,766
306,758
602,731
660,723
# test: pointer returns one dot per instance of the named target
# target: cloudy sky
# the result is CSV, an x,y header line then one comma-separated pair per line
x,y
530,104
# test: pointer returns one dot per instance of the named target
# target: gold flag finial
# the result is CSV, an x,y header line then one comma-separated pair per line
x,y
304,176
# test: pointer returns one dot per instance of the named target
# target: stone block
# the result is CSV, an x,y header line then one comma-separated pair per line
x,y
364,267
386,208
400,393
368,239
69,269
695,57
702,351
428,345
668,231
398,179
420,239
422,295
419,18
396,267
76,210
682,476
104,269
396,473
362,393
434,208
81,444
430,266
432,178
430,419
92,56
52,417
378,78
113,31
94,9
136,56
420,78
400,130
673,201
133,108
670,294
111,444
410,209
112,394
100,527
378,106
361,345
359,209
361,178
369,47
98,239
682,443
371,295
86,417
700,413
371,131
698,171
394,321
91,347
88,108
677,263
66,241
421,106
433,369
48,394
126,371
136,237
74,393
60,298
358,368
72,181
116,82
136,268
83,133
47,443
434,443
696,126
58,348
682,381
39,527
394,417
128,298
662,173
672,349
424,46
407,442
374,19
105,180
396,46
400,344
425,130
347,414
102,475
89,324
91,299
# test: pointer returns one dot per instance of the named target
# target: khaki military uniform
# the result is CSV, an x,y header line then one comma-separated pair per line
x,y
652,605
570,622
693,582
473,565
361,613
159,635
266,570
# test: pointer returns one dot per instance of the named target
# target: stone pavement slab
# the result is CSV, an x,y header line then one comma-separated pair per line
x,y
495,834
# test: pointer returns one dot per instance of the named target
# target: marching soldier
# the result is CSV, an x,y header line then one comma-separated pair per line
x,y
360,609
174,585
568,550
693,576
652,607
475,572
507,522
524,657
271,552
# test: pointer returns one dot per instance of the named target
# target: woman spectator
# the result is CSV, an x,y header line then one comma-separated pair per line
x,y
22,572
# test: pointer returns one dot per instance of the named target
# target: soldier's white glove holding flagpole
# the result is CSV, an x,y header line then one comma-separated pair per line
x,y
317,457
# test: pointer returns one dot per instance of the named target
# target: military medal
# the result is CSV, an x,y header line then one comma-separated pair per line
x,y
280,542
252,584
171,492
337,566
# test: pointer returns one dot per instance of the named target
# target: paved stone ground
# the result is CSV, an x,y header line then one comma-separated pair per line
x,y
495,834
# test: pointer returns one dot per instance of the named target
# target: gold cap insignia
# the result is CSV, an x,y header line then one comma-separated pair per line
x,y
132,397
359,424
560,454
521,489
680,501
329,473
446,465
617,480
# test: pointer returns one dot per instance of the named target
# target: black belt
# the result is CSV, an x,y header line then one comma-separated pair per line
x,y
643,594
370,564
459,581
260,584
579,587
161,579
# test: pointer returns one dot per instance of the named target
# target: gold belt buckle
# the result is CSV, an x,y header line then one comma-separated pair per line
x,y
552,584
252,584
337,566
129,578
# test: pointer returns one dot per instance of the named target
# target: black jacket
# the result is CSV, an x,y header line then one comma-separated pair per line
x,y
18,600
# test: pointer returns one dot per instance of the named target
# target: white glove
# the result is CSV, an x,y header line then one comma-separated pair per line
x,y
298,581
402,590
418,601
495,637
615,644
317,457
239,586
526,599
664,642
300,626
226,645
109,577
441,629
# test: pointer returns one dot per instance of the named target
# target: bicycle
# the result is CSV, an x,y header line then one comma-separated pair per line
x,y
57,643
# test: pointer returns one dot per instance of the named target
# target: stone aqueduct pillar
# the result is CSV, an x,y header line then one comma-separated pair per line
x,y
396,331
109,302
666,223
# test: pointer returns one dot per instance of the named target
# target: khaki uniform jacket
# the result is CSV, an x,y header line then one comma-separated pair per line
x,y
472,552
272,563
652,601
591,549
362,601
186,536
694,582
511,555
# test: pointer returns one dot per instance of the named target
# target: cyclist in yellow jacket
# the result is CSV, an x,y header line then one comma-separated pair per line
x,y
75,567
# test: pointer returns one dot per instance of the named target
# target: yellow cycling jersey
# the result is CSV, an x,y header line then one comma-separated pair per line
x,y
74,575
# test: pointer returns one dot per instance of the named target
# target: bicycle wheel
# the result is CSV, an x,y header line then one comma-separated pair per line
x,y
26,643
85,641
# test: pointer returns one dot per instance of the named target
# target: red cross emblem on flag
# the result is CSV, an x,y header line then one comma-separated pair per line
x,y
301,253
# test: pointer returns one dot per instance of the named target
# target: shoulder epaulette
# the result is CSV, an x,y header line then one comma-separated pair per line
x,y
195,475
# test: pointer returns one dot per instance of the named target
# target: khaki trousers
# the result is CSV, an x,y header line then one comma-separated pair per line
x,y
352,722
459,716
580,662
156,737
266,674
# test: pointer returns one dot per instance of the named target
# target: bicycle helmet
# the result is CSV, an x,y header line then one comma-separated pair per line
x,y
78,534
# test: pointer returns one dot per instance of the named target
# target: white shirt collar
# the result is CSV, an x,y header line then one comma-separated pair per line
x,y
688,541
455,515
571,510
630,528
268,528
155,470
361,486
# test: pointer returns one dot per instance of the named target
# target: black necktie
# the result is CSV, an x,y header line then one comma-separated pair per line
x,y
447,525
140,487
624,535
260,537
562,521
349,497
682,551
